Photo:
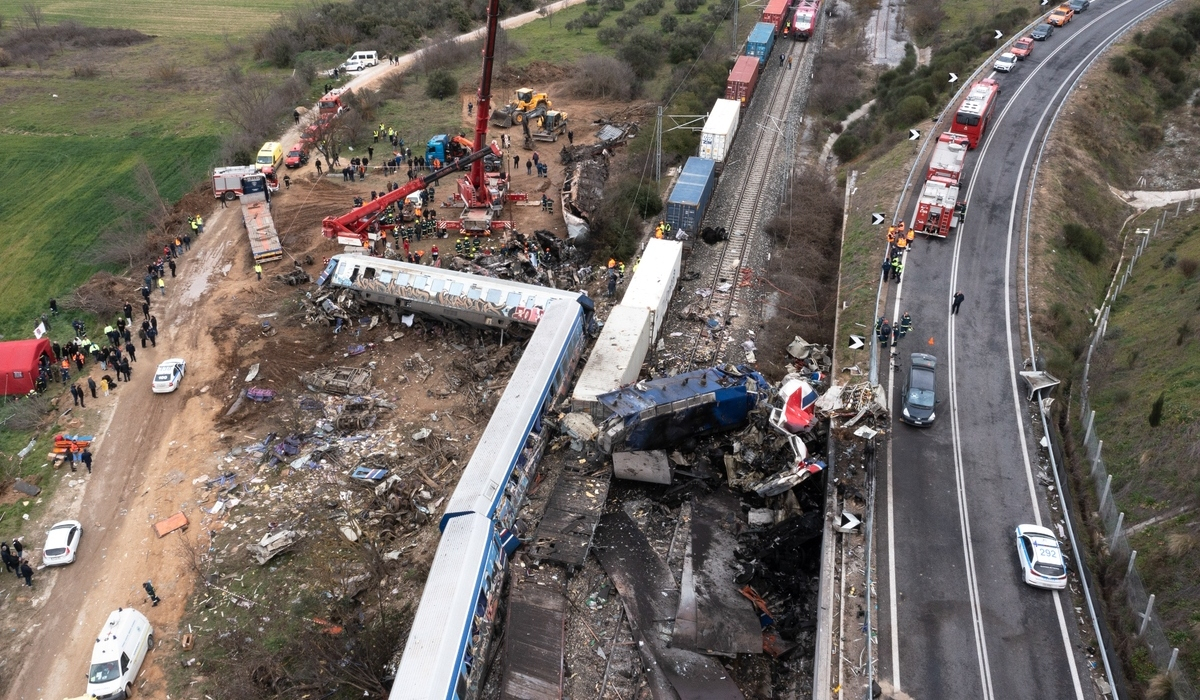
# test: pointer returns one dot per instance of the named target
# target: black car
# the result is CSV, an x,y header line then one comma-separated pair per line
x,y
1079,5
1042,32
920,390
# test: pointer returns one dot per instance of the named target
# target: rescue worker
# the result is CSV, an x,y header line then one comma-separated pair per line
x,y
911,235
897,268
906,324
621,269
885,332
433,254
891,234
901,242
611,263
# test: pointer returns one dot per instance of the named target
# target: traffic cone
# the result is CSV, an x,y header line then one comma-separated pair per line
x,y
931,340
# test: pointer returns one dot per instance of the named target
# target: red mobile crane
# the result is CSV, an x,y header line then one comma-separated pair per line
x,y
354,227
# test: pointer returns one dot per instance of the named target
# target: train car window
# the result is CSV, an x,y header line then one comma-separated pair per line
x,y
369,273
402,279
531,302
460,688
513,300
437,286
474,292
385,276
456,288
421,282
493,296
354,274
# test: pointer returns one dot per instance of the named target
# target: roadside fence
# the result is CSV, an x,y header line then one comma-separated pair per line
x,y
1149,629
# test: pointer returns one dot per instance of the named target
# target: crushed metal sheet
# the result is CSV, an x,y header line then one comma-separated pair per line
x,y
650,597
564,533
273,544
650,467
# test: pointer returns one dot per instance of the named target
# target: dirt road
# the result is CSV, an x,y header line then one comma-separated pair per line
x,y
148,449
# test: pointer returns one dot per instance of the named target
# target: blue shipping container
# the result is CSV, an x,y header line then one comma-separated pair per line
x,y
690,195
762,38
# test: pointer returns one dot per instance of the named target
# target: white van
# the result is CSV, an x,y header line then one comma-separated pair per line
x,y
361,60
117,657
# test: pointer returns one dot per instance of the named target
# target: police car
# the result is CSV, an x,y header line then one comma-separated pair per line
x,y
1042,562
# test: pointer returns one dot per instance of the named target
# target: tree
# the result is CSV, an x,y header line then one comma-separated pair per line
x,y
34,13
643,51
124,242
332,135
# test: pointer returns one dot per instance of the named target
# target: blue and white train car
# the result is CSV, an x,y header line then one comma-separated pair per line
x,y
495,480
447,645
460,297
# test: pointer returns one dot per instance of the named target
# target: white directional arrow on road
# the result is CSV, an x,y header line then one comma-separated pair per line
x,y
876,219
953,78
999,34
913,134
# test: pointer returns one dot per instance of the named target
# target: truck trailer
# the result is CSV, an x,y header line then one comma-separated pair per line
x,y
256,214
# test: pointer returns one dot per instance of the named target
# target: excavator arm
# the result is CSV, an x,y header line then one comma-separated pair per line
x,y
357,222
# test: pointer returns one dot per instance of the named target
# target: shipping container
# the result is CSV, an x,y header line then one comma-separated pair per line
x,y
689,197
716,137
759,44
742,80
654,281
775,13
616,358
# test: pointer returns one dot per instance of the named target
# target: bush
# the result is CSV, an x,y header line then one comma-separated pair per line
x,y
1150,134
668,23
911,110
643,51
440,85
847,147
626,22
686,43
648,8
610,36
1084,241
1187,267
1120,65
613,5
603,78
686,7
85,71
591,20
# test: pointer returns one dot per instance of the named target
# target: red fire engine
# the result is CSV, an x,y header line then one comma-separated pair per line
x,y
938,209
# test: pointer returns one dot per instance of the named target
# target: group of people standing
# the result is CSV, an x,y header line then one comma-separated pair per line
x,y
16,562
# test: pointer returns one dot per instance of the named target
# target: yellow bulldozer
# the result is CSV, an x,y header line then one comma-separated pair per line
x,y
526,100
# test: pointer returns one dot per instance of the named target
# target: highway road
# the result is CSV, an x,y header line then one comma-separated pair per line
x,y
955,620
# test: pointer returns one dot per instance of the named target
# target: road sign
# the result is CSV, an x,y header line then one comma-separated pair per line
x,y
953,78
913,134
876,219
856,342
999,34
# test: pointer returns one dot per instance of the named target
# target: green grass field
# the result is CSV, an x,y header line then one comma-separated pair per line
x,y
167,18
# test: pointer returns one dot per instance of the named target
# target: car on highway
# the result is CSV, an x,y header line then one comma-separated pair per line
x,y
920,390
296,157
1042,32
1078,6
1042,563
1022,47
168,375
1005,63
1061,15
62,543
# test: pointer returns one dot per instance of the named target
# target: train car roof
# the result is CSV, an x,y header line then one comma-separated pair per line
x,y
441,628
492,462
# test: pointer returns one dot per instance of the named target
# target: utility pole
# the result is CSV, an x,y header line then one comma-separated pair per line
x,y
658,146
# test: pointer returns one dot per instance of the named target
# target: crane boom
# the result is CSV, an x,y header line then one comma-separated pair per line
x,y
483,100
357,222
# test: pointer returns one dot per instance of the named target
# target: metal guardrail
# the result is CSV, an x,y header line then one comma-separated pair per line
x,y
1120,550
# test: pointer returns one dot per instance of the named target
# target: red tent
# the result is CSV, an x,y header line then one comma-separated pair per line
x,y
19,365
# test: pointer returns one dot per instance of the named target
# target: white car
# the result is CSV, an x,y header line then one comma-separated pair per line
x,y
168,375
1006,62
62,543
1042,562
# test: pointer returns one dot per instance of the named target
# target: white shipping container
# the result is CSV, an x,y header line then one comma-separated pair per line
x,y
719,130
616,358
654,282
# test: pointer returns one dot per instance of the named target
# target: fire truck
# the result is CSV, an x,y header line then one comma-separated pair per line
x,y
939,209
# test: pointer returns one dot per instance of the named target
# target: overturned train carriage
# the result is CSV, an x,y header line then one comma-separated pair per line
x,y
459,297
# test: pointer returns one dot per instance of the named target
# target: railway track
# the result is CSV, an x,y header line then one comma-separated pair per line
x,y
745,220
